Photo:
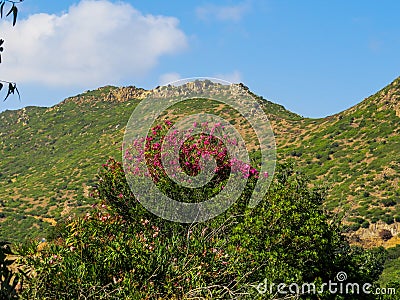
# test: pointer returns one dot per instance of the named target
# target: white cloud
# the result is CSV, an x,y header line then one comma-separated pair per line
x,y
234,77
94,42
222,13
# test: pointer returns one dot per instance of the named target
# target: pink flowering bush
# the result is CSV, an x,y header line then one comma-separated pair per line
x,y
119,250
148,160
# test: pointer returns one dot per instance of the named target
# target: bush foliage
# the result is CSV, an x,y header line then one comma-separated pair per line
x,y
121,251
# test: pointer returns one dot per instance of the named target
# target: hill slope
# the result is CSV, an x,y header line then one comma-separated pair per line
x,y
50,155
357,153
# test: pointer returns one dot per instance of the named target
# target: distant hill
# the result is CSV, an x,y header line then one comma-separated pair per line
x,y
50,156
357,152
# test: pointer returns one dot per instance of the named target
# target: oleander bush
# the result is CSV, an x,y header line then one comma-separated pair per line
x,y
119,250
105,255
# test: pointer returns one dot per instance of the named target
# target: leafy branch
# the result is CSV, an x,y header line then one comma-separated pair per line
x,y
10,280
12,86
13,10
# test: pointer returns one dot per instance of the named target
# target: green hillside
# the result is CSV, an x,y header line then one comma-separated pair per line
x,y
50,156
356,153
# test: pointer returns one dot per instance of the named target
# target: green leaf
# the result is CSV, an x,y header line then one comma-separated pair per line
x,y
19,96
10,91
1,9
15,13
11,10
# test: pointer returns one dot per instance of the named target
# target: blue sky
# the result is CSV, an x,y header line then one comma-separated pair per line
x,y
316,58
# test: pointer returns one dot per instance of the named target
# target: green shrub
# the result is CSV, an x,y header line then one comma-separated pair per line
x,y
365,224
354,227
388,219
388,202
121,251
393,252
374,220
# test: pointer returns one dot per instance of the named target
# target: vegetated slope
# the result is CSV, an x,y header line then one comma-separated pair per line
x,y
357,152
50,155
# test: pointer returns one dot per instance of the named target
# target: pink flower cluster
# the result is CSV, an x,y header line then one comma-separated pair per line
x,y
54,259
191,152
154,232
101,215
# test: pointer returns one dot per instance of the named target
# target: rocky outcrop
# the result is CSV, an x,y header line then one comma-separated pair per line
x,y
109,94
198,87
370,237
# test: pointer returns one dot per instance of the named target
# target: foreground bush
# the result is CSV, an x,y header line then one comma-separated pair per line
x,y
121,251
